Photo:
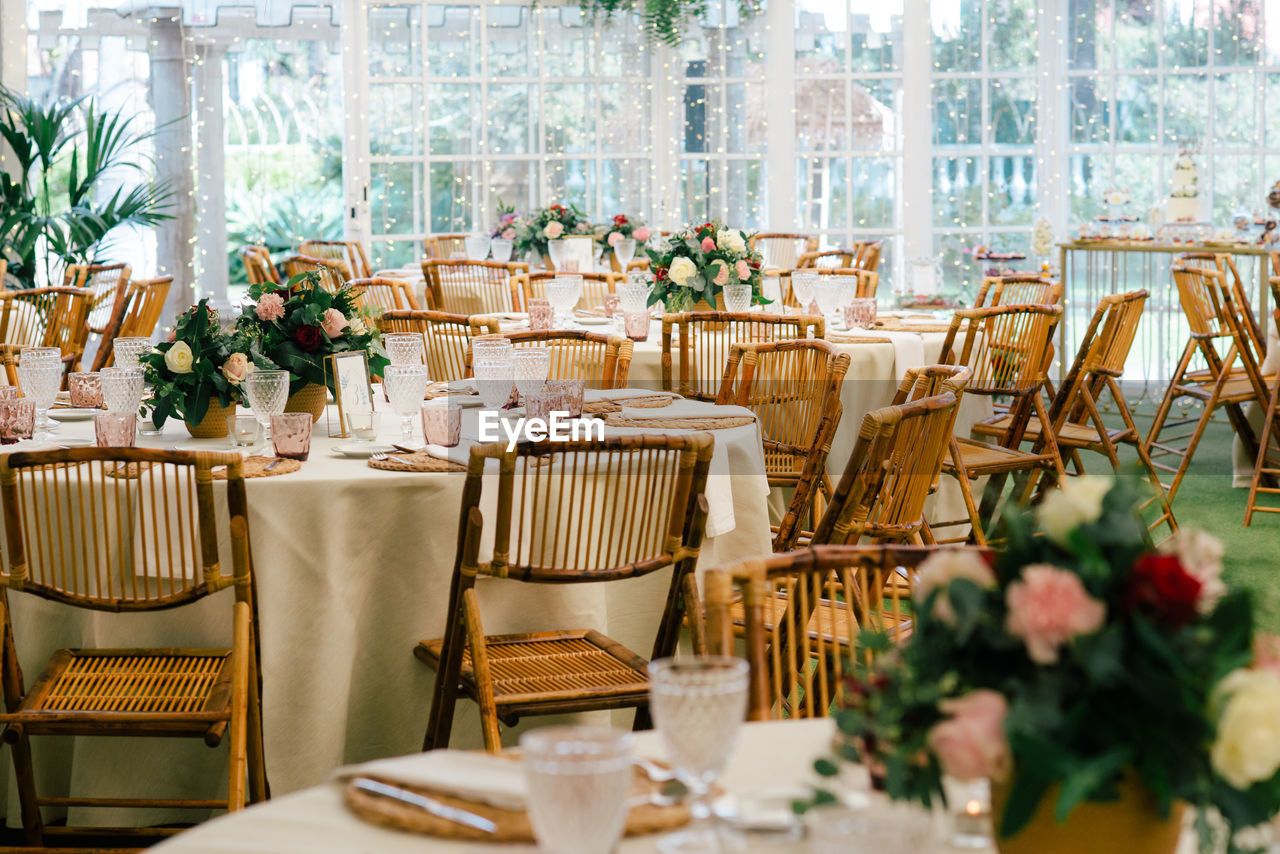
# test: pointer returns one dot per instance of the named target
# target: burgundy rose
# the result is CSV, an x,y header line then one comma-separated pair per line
x,y
620,219
1161,586
309,337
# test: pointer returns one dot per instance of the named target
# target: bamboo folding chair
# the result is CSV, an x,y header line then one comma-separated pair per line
x,y
130,530
446,337
43,317
1224,264
802,613
1018,289
111,295
827,259
595,286
1229,380
1267,466
472,287
1006,347
895,463
793,387
384,293
445,246
706,337
780,250
349,251
258,268
568,512
4,271
602,361
634,264
1074,412
146,302
333,274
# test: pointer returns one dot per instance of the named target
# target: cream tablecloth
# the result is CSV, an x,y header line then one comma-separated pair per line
x,y
353,567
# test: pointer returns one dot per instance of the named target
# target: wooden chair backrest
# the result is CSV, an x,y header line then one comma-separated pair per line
x,y
867,254
258,268
4,271
1226,265
594,287
333,273
447,338
894,465
1005,346
383,293
705,338
146,307
1103,351
121,529
782,250
472,287
828,259
1018,289
444,246
1197,294
1232,320
803,613
602,361
108,285
349,251
46,317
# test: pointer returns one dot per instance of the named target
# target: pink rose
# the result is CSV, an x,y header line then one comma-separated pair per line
x,y
509,234
270,307
615,237
236,368
722,274
172,336
641,234
971,743
334,322
1049,607
744,270
553,230
708,245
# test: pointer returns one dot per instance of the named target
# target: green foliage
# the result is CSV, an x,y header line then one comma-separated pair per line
x,y
687,245
286,219
52,205
186,394
665,20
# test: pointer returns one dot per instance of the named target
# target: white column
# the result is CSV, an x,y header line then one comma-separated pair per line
x,y
211,192
13,45
667,132
917,132
780,130
171,101
355,140
1051,110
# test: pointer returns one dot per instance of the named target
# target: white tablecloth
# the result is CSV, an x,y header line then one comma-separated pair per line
x,y
340,681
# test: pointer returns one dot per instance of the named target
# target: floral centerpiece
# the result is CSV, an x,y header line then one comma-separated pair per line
x,y
531,233
620,228
698,261
196,373
295,328
1079,670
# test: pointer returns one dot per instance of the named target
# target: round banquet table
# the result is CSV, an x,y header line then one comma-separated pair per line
x,y
770,758
352,566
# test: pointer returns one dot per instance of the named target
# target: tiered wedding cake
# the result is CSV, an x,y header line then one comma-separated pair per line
x,y
1184,201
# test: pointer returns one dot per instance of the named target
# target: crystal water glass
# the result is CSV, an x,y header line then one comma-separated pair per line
x,y
635,293
477,246
494,378
122,389
564,292
405,348
541,315
115,429
85,389
556,250
624,251
636,324
128,350
848,288
291,435
698,705
267,392
405,386
802,282
9,392
500,248
860,313
737,298
40,380
17,420
579,780
531,366
441,423
569,396
892,827
826,291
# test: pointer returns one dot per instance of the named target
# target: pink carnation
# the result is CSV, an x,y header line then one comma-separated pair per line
x,y
708,245
971,743
641,234
334,322
270,307
615,237
553,230
722,274
1049,607
744,270
509,234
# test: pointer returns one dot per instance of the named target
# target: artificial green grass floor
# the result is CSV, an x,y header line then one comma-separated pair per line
x,y
1206,500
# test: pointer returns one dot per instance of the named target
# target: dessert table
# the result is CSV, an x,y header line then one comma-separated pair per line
x,y
352,566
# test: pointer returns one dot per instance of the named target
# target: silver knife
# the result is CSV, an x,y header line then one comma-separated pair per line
x,y
269,466
454,814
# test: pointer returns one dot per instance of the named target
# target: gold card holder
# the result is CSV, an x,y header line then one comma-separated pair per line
x,y
352,387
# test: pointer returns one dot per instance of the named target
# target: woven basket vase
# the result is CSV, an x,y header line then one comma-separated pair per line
x,y
214,423
311,398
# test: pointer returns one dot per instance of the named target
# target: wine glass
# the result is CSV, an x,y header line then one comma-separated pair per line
x,y
737,298
128,350
579,779
697,706
624,252
564,292
530,366
267,391
802,286
477,246
405,385
556,250
122,389
826,291
501,249
405,348
40,380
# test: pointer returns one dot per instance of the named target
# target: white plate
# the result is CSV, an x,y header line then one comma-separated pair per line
x,y
363,450
220,445
589,320
26,446
74,441
68,413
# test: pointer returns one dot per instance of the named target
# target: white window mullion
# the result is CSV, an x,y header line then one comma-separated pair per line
x,y
357,214
917,135
664,144
780,132
1053,99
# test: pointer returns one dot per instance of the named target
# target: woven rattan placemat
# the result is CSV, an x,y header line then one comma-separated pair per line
x,y
723,422
257,467
416,461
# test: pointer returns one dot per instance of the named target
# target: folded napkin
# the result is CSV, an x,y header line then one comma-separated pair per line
x,y
459,453
472,776
685,409
617,395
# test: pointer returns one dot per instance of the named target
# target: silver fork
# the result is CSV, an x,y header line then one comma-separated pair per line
x,y
379,456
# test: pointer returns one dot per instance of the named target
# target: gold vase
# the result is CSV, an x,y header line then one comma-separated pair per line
x,y
1132,824
214,423
311,398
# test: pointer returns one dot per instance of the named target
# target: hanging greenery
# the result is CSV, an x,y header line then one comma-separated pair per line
x,y
665,21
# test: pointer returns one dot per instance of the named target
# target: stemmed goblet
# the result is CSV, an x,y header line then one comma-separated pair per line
x,y
268,392
405,385
530,366
40,375
405,348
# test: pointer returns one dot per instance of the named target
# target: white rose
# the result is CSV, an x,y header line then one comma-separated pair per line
x,y
179,359
1077,502
1247,747
1200,554
944,567
682,270
730,240
356,326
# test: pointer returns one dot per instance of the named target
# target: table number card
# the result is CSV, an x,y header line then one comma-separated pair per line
x,y
352,387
